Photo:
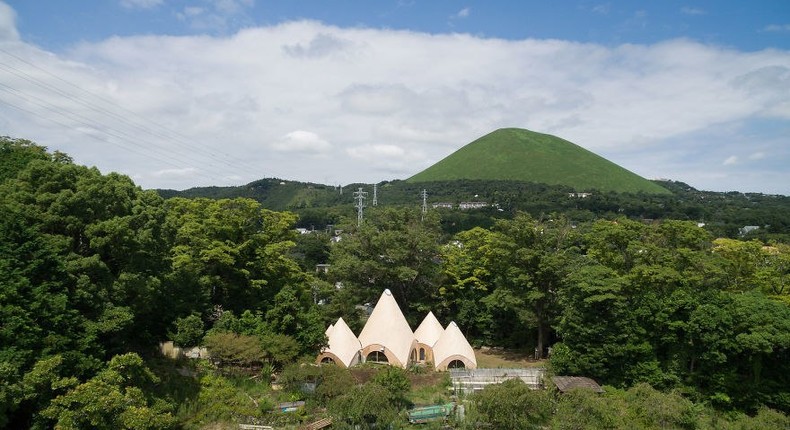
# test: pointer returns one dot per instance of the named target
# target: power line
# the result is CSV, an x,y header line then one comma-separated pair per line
x,y
191,147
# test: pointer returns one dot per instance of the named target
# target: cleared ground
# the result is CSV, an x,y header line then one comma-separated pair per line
x,y
497,357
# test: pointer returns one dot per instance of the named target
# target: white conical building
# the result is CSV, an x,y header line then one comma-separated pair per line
x,y
344,348
387,336
453,350
426,335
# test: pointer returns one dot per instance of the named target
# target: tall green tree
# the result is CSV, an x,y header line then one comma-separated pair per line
x,y
230,253
395,249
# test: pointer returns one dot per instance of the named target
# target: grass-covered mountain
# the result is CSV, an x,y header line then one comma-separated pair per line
x,y
521,155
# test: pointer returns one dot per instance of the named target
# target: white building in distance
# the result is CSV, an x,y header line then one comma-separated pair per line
x,y
388,339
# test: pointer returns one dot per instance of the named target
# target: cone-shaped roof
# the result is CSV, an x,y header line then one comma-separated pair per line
x,y
388,327
342,343
452,345
429,331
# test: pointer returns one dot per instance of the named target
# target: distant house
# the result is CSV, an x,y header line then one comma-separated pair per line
x,y
748,229
579,195
322,268
442,205
472,205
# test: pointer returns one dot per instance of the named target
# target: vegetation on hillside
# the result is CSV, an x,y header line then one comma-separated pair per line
x,y
95,272
526,156
723,214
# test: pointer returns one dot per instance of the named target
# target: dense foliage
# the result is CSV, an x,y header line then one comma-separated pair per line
x,y
724,214
95,272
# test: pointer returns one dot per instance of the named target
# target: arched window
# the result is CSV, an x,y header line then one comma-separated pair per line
x,y
456,364
377,357
422,354
327,360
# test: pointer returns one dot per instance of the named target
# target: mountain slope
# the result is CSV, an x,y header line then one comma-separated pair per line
x,y
523,155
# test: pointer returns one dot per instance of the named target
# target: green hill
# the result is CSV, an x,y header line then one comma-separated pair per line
x,y
523,155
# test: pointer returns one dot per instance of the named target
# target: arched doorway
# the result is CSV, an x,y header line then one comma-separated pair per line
x,y
377,357
456,364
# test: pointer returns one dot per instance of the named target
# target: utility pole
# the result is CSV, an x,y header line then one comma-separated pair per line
x,y
360,197
375,195
424,204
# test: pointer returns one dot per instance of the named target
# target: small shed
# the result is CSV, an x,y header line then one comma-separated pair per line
x,y
567,383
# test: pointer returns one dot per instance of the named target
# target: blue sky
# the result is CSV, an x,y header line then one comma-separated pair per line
x,y
743,25
179,93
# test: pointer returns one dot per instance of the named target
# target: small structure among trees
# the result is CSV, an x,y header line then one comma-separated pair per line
x,y
387,338
567,383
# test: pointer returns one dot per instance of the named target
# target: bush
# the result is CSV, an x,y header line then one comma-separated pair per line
x,y
362,406
189,331
232,349
512,405
397,384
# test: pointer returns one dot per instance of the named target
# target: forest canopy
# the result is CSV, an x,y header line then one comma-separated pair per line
x,y
96,271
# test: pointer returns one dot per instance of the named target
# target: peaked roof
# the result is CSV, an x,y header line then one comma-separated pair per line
x,y
388,327
429,331
452,345
567,383
342,343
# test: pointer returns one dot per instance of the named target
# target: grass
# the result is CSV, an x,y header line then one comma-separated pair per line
x,y
523,155
505,358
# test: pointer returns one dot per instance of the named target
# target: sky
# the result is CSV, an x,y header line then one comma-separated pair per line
x,y
185,93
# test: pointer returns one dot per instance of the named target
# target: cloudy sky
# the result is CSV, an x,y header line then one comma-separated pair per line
x,y
183,93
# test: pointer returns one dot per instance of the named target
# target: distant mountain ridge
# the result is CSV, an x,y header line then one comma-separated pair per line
x,y
522,155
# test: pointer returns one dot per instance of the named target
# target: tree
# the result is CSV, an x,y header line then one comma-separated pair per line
x,y
231,349
584,409
397,384
364,405
536,256
114,399
471,261
189,331
393,249
230,253
513,405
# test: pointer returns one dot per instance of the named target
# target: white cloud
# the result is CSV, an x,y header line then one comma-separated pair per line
x,y
777,28
732,159
8,31
463,13
690,10
321,45
185,172
214,15
372,152
141,4
248,103
602,8
301,141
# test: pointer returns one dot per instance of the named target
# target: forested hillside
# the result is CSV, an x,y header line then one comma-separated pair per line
x,y
723,214
95,272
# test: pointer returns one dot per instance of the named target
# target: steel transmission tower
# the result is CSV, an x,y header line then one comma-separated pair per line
x,y
424,204
375,195
360,197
